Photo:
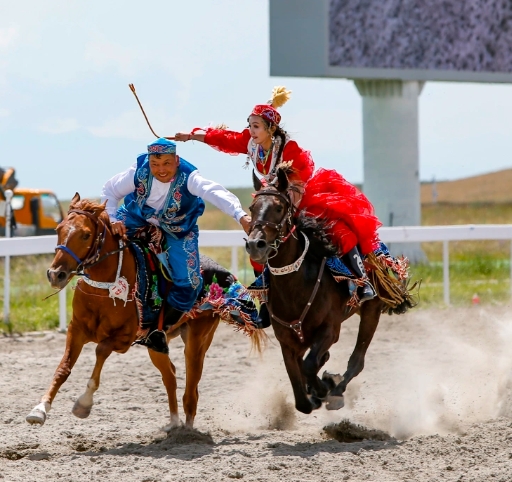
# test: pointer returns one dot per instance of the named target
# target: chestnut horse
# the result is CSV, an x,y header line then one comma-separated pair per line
x,y
86,242
305,303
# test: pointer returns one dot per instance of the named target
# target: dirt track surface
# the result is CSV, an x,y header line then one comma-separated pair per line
x,y
437,381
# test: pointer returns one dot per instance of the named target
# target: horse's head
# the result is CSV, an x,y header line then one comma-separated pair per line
x,y
80,238
271,213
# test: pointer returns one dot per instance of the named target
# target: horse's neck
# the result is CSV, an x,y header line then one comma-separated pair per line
x,y
106,270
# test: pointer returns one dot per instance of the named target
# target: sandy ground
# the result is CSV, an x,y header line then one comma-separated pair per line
x,y
439,382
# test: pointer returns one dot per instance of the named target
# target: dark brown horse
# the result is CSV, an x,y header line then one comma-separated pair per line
x,y
306,304
112,324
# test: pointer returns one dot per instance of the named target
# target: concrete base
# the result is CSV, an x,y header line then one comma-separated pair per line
x,y
391,155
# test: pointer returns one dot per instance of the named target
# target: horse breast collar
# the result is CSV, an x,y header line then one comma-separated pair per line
x,y
295,266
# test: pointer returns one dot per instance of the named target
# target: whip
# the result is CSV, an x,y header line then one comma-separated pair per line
x,y
132,88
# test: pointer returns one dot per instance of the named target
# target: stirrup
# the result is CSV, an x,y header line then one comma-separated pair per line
x,y
366,292
156,341
263,320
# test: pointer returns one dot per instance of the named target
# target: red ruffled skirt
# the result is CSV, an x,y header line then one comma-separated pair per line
x,y
349,215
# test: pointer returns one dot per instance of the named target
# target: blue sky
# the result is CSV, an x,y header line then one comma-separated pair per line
x,y
68,121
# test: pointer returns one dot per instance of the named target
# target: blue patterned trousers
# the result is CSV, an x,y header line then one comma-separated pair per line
x,y
182,262
181,259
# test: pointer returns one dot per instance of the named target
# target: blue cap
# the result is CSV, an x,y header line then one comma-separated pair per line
x,y
162,146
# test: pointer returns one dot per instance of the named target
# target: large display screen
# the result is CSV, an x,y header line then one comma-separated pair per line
x,y
459,40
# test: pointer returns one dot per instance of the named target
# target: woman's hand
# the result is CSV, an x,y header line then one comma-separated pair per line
x,y
182,137
118,228
245,221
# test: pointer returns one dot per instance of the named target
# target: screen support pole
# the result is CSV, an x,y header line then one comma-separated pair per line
x,y
391,155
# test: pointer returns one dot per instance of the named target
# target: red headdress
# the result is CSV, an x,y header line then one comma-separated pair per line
x,y
269,110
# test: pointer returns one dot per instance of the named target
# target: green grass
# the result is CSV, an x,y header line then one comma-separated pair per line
x,y
485,276
28,310
481,267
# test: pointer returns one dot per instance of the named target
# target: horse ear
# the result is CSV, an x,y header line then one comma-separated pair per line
x,y
282,180
75,199
256,182
100,208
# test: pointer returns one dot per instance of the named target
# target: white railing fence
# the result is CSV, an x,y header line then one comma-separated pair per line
x,y
234,239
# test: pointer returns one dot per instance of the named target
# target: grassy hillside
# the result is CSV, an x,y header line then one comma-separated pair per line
x,y
493,187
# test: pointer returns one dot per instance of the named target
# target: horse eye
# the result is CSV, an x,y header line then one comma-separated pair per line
x,y
86,236
279,209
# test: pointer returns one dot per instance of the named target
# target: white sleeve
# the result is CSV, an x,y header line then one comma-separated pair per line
x,y
116,188
215,194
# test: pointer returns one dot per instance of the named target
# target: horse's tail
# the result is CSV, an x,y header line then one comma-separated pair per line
x,y
259,340
392,284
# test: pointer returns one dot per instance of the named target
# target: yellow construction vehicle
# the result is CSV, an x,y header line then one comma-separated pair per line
x,y
35,212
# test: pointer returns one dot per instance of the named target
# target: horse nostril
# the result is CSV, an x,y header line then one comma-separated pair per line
x,y
61,276
261,244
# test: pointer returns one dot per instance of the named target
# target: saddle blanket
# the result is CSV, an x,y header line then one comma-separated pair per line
x,y
222,292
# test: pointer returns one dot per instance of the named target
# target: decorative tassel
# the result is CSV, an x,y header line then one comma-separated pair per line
x,y
221,127
280,96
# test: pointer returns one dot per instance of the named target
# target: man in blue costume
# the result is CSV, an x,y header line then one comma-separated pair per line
x,y
167,191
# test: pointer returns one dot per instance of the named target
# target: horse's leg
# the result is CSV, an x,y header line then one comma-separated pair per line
x,y
75,341
197,335
370,315
316,359
294,366
168,372
83,405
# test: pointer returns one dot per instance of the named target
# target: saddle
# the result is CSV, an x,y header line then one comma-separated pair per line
x,y
221,291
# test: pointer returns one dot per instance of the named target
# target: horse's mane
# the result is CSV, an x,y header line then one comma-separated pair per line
x,y
92,207
315,229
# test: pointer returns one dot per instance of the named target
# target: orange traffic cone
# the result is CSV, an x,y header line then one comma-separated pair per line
x,y
475,299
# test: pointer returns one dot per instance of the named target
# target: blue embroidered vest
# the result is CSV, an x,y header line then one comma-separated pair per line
x,y
180,211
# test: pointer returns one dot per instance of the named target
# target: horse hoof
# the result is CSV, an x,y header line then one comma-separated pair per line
x,y
315,402
36,417
334,403
172,426
332,379
80,411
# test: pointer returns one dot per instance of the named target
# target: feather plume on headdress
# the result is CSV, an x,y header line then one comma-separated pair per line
x,y
279,96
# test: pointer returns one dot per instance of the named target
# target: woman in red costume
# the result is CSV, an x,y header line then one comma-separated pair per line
x,y
346,210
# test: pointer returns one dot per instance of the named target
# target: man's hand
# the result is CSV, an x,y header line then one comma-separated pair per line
x,y
245,221
119,228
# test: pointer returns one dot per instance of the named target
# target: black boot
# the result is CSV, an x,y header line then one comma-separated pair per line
x,y
354,263
172,316
157,340
263,320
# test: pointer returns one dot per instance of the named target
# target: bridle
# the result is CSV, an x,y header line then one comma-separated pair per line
x,y
285,221
93,254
